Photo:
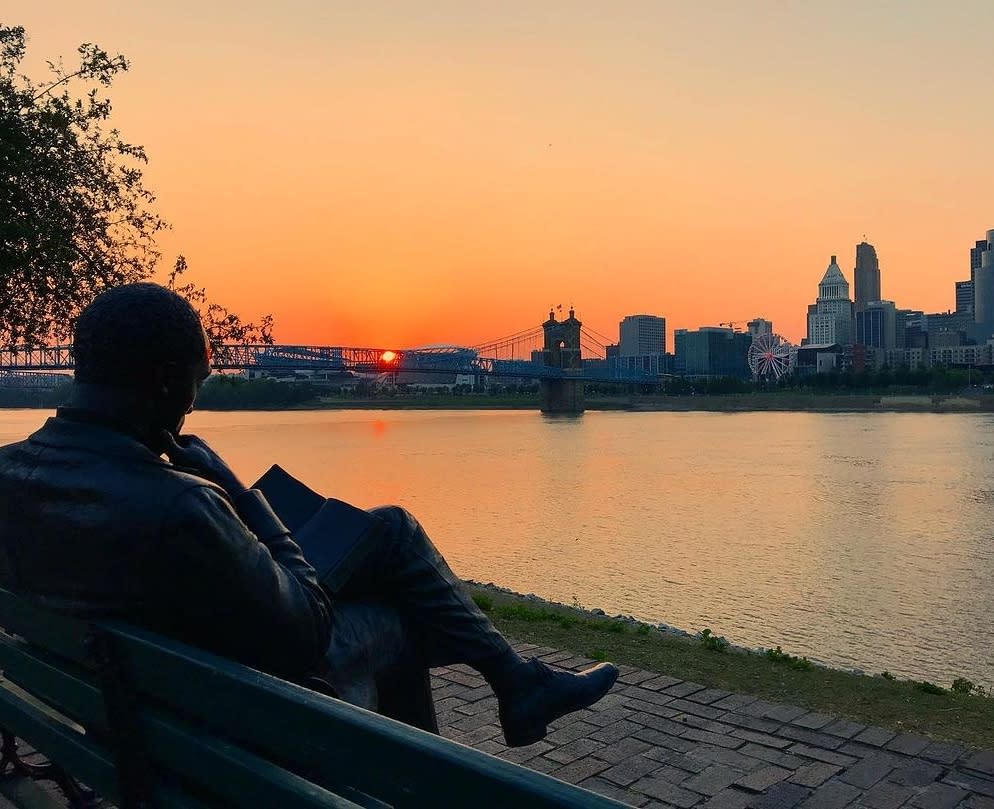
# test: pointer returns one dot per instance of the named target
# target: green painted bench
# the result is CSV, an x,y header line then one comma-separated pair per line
x,y
170,726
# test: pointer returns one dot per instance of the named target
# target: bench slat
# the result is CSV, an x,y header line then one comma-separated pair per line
x,y
193,755
322,748
21,712
248,780
70,689
50,630
331,741
58,740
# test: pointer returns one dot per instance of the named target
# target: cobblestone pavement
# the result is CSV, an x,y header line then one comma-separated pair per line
x,y
658,741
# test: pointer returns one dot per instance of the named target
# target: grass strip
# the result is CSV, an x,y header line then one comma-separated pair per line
x,y
901,705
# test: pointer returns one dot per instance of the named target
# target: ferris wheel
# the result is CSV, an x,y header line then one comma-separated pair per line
x,y
770,356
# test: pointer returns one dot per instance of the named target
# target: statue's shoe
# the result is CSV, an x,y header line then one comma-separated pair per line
x,y
539,694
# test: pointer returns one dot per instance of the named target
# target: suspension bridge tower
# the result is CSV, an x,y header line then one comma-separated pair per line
x,y
562,350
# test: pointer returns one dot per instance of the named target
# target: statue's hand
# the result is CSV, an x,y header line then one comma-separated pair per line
x,y
194,453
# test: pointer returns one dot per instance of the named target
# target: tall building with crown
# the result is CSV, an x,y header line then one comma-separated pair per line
x,y
866,276
830,318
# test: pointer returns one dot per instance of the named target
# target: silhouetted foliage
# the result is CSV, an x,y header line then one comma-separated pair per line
x,y
221,324
46,398
234,393
76,215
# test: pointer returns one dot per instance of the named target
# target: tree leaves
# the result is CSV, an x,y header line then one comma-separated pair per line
x,y
75,215
222,326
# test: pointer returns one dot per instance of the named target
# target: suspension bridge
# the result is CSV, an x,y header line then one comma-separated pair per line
x,y
544,352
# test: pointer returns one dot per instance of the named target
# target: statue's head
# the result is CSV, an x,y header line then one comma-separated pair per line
x,y
143,342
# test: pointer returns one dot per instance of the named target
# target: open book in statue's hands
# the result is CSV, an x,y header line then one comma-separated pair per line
x,y
334,535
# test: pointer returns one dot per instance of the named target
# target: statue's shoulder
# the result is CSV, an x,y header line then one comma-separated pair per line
x,y
14,451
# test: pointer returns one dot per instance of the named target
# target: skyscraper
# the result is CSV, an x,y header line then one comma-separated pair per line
x,y
976,253
983,280
866,276
876,325
964,298
642,343
830,318
642,334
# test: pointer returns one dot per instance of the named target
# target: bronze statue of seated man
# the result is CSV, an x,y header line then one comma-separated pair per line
x,y
109,509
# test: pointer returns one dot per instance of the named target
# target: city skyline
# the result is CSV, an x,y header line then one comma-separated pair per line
x,y
836,299
393,175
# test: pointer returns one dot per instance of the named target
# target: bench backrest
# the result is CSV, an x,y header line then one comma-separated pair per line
x,y
172,726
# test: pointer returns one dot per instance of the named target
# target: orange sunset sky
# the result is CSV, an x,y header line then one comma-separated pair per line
x,y
394,173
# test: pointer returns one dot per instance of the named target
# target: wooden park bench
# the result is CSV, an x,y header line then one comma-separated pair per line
x,y
145,721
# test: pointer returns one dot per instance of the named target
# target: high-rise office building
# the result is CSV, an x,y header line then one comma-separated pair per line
x,y
866,275
642,334
983,280
830,318
712,351
642,343
876,325
760,326
938,322
964,297
976,254
910,329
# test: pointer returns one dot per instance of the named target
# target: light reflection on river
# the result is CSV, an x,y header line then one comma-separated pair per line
x,y
862,540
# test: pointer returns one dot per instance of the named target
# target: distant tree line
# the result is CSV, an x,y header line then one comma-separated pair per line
x,y
226,392
887,380
901,379
235,393
364,389
48,399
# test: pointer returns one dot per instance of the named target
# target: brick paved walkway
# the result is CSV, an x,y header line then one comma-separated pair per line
x,y
658,741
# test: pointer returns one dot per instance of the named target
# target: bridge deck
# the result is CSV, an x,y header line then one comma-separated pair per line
x,y
344,359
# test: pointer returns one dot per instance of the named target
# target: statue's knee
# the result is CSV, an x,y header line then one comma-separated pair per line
x,y
398,520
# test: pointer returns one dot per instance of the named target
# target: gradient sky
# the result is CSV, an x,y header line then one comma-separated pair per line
x,y
395,173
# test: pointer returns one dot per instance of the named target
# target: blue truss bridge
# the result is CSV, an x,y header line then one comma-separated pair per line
x,y
510,357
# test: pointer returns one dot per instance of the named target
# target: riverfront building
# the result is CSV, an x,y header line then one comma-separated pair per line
x,y
759,327
965,289
819,358
910,329
642,343
982,255
939,322
964,298
830,317
947,356
876,325
712,351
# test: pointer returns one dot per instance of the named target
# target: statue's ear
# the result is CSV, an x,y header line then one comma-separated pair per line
x,y
167,378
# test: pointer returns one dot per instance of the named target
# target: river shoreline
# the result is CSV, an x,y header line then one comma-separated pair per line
x,y
959,711
728,403
732,403
597,614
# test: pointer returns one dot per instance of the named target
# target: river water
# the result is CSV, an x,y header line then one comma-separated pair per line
x,y
860,540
